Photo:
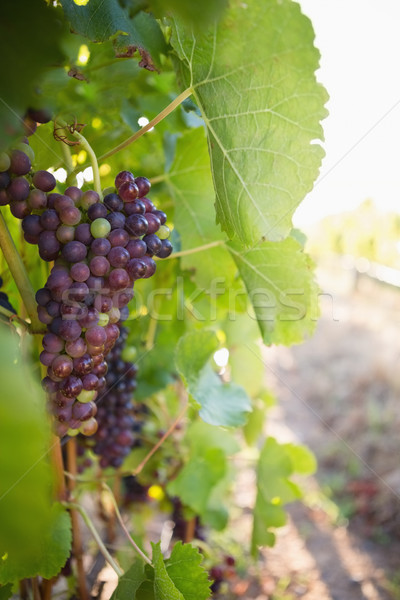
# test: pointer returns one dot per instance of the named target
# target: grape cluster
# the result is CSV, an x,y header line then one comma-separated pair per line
x,y
90,285
118,423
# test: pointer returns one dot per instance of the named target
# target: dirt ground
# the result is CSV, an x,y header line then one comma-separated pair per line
x,y
338,393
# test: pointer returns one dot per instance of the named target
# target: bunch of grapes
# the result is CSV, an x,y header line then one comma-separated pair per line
x,y
98,254
118,424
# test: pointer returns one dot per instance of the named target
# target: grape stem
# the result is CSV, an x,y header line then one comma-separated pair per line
x,y
76,532
71,179
195,250
121,522
95,534
13,317
160,442
93,158
164,113
20,276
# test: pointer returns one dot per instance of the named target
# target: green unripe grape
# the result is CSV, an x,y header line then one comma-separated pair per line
x,y
114,315
103,319
163,232
109,190
129,354
72,432
100,228
26,149
5,161
86,396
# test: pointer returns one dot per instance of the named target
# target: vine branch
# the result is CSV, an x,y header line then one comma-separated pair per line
x,y
20,275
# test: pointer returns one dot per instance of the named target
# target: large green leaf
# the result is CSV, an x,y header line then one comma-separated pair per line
x,y
27,53
253,78
185,570
277,463
164,587
130,582
191,185
221,403
280,284
99,21
35,536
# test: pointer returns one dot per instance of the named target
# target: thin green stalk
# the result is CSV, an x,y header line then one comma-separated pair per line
x,y
13,317
164,113
71,178
195,250
95,534
20,275
128,535
93,158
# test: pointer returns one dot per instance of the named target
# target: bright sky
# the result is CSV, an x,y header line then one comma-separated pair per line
x,y
359,43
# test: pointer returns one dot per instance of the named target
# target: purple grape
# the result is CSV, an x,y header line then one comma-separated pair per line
x,y
154,223
88,198
4,199
166,249
71,215
62,366
52,343
122,177
71,387
100,369
123,297
49,246
83,412
128,191
95,284
80,272
116,220
118,237
143,185
76,348
65,233
44,316
99,266
150,207
97,211
46,358
153,243
113,202
74,193
49,220
77,291
43,180
100,247
62,202
20,163
136,248
82,234
96,336
103,303
135,208
53,308
20,209
90,319
18,189
83,365
4,179
118,256
74,252
90,382
150,266
161,216
43,296
70,330
40,115
136,225
31,225
118,279
136,268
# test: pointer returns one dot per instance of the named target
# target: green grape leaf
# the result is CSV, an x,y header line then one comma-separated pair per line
x,y
221,403
277,463
190,183
198,477
99,21
280,284
130,582
35,533
193,352
194,13
253,78
6,591
185,570
303,460
29,54
164,587
201,436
